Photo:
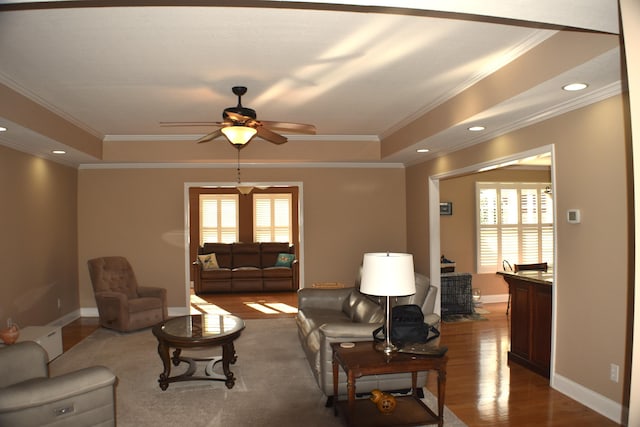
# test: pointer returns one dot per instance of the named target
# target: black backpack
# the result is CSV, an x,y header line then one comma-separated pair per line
x,y
407,327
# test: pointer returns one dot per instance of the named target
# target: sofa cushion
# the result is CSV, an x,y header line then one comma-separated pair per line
x,y
247,272
310,320
143,304
208,261
217,274
285,260
367,311
246,254
276,272
361,308
348,303
222,251
269,252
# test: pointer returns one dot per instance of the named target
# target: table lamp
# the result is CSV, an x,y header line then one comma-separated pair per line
x,y
387,274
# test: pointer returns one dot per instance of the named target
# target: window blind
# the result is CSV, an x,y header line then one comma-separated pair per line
x,y
218,218
515,223
272,217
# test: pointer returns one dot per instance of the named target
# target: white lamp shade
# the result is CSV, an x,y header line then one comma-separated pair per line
x,y
388,274
238,135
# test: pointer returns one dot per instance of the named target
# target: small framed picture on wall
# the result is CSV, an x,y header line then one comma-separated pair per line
x,y
446,208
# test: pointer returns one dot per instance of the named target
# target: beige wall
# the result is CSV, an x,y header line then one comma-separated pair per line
x,y
139,213
458,231
592,279
38,247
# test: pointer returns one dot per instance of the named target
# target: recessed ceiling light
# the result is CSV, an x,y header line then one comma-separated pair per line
x,y
3,129
59,152
574,86
422,150
476,128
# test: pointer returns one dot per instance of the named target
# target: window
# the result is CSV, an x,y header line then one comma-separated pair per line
x,y
272,217
515,223
218,218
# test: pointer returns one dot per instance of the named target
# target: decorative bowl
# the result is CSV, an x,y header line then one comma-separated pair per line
x,y
10,335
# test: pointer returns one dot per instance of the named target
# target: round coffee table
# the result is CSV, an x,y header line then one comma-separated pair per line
x,y
201,330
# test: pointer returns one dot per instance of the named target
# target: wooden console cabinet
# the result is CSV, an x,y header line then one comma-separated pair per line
x,y
531,306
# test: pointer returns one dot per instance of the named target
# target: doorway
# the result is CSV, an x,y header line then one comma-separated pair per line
x,y
435,244
298,237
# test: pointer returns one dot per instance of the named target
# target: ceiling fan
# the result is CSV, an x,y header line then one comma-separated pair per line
x,y
240,124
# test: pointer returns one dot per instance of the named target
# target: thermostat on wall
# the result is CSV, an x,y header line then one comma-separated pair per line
x,y
573,216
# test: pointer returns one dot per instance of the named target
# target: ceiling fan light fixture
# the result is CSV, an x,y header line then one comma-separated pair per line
x,y
238,134
244,189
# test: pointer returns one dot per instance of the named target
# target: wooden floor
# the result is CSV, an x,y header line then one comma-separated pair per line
x,y
482,388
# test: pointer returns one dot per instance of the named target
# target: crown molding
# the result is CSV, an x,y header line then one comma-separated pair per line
x,y
515,52
592,97
192,137
317,165
12,84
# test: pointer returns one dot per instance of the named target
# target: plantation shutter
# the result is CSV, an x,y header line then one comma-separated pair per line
x,y
218,218
515,223
272,217
488,219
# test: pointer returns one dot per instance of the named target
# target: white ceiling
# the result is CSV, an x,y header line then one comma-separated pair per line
x,y
355,73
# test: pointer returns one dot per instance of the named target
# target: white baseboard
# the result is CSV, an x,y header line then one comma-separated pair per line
x,y
66,319
489,299
89,312
589,398
173,311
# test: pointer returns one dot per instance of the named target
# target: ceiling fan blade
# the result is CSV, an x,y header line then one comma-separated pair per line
x,y
291,127
270,136
187,124
210,136
239,118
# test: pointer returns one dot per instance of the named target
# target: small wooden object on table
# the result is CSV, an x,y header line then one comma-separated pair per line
x,y
363,359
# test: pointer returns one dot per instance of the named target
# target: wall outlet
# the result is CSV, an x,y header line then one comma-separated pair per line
x,y
59,304
9,322
614,373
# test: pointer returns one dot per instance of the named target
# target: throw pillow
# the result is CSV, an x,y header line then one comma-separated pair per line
x,y
285,260
208,261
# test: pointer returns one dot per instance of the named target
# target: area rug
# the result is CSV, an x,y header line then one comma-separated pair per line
x,y
274,384
477,315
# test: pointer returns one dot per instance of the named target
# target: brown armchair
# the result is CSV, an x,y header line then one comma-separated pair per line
x,y
122,304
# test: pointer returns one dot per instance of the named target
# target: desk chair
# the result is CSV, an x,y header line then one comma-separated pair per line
x,y
540,266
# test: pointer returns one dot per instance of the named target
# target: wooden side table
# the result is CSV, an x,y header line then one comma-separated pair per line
x,y
363,359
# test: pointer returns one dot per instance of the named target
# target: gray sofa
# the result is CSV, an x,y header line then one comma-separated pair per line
x,y
346,315
30,398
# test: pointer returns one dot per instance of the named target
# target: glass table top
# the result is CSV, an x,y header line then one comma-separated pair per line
x,y
202,326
